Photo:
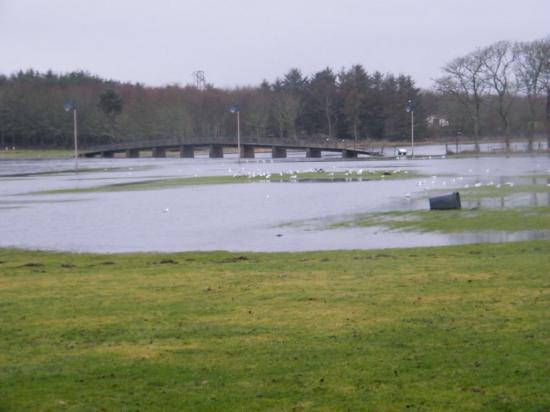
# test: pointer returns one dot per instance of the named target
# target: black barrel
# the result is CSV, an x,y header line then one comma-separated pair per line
x,y
450,201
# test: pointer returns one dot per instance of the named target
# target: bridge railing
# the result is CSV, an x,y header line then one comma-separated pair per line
x,y
223,140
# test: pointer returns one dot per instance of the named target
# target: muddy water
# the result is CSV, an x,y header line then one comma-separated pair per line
x,y
239,217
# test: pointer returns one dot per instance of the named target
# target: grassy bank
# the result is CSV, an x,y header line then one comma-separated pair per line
x,y
453,221
494,191
35,154
313,176
454,328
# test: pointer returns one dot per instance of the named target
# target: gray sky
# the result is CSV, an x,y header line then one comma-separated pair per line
x,y
241,42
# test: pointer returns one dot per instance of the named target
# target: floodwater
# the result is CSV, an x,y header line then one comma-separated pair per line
x,y
260,216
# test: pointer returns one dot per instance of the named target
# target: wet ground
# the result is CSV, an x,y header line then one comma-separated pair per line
x,y
259,216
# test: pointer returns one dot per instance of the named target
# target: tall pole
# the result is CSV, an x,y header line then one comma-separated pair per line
x,y
410,109
412,133
239,135
75,141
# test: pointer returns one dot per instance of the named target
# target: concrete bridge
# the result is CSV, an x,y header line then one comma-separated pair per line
x,y
215,147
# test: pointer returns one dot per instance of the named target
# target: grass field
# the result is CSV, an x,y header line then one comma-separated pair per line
x,y
172,182
35,154
453,221
452,328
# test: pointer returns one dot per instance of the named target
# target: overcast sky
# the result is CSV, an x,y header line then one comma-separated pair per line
x,y
242,42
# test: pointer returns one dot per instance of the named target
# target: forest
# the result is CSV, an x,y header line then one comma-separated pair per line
x,y
500,91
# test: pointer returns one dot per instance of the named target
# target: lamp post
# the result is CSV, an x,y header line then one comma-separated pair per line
x,y
71,106
235,109
410,109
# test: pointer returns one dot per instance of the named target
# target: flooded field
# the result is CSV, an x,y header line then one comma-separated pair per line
x,y
261,214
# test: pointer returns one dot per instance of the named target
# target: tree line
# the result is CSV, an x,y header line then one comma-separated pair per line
x,y
502,89
499,90
351,104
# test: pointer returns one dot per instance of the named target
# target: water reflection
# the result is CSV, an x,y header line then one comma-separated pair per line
x,y
246,217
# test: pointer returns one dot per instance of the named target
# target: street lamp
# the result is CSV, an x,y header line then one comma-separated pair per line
x,y
410,109
236,109
71,106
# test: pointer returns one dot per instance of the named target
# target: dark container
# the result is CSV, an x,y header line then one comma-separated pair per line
x,y
450,201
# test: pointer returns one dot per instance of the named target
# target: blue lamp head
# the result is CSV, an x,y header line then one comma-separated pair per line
x,y
69,105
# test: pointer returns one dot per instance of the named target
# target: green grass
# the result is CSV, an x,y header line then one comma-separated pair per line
x,y
452,221
463,328
33,154
156,184
484,192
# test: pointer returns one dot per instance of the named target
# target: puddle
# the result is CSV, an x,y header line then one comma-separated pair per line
x,y
247,217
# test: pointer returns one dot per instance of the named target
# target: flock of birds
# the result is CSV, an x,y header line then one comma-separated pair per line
x,y
293,175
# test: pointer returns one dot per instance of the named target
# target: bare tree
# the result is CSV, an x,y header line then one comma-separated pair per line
x,y
286,109
546,85
498,66
531,70
258,109
465,79
354,88
323,89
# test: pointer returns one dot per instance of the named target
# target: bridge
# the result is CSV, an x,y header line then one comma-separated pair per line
x,y
216,146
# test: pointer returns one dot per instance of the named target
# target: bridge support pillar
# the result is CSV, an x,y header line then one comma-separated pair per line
x,y
247,152
215,151
159,152
313,153
349,154
187,152
278,152
107,154
132,153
